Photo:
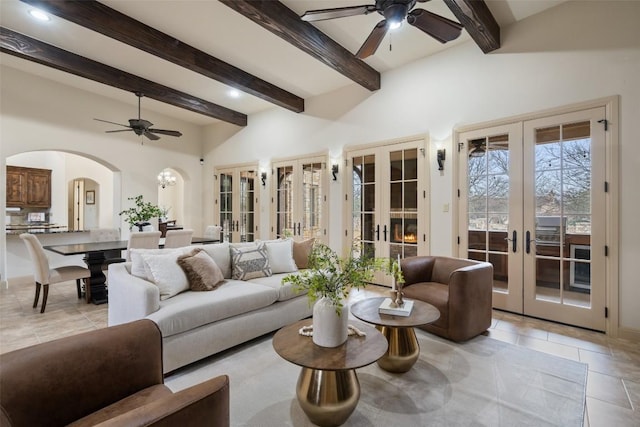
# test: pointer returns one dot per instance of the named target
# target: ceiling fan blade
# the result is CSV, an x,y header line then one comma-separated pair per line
x,y
119,130
166,132
141,123
438,27
372,42
113,123
338,12
150,135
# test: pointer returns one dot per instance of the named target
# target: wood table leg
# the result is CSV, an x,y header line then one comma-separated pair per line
x,y
98,291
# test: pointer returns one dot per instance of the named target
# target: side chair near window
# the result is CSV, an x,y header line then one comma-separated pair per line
x,y
110,376
213,232
143,240
45,276
178,238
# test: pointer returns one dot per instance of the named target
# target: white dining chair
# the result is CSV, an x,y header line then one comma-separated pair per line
x,y
212,232
107,235
45,276
178,238
143,240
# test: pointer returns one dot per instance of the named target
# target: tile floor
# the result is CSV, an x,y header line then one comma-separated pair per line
x,y
613,388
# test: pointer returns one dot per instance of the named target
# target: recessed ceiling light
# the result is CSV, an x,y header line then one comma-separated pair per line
x,y
233,93
39,15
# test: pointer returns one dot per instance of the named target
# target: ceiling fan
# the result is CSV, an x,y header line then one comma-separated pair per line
x,y
394,12
142,127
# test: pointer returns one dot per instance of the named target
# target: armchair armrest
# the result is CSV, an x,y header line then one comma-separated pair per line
x,y
470,299
203,404
417,269
130,297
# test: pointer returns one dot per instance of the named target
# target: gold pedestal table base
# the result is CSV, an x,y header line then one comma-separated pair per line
x,y
328,397
328,389
403,351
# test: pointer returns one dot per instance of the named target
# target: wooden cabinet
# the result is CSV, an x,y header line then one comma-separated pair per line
x,y
28,187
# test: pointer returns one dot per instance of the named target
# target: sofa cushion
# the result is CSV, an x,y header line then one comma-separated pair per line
x,y
250,261
219,252
285,290
436,294
129,403
203,274
301,252
280,253
190,310
166,274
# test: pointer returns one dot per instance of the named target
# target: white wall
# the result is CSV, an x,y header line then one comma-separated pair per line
x,y
576,52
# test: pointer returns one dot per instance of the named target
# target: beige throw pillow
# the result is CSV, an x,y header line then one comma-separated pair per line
x,y
301,252
203,274
250,261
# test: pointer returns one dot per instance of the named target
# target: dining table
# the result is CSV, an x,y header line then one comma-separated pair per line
x,y
94,257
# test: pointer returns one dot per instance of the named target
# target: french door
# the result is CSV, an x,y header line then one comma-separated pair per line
x,y
300,199
387,200
238,199
533,204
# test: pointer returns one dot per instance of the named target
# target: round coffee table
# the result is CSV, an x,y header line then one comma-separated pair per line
x,y
404,349
328,389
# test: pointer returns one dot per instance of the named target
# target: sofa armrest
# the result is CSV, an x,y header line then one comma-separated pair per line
x,y
205,404
130,297
60,381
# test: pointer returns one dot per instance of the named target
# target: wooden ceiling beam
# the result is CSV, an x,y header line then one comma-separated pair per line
x,y
478,21
111,23
285,23
25,47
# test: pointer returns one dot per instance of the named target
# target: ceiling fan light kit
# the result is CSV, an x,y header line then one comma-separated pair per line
x,y
142,127
394,12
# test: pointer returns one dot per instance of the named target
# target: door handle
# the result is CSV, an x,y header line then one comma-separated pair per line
x,y
513,240
384,232
378,232
298,229
528,241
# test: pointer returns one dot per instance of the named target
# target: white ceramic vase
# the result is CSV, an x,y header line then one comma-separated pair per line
x,y
329,328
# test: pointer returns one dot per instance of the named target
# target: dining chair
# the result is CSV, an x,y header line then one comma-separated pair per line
x,y
107,235
143,240
213,231
178,238
45,276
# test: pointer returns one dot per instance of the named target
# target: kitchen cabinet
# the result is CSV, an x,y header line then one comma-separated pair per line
x,y
28,187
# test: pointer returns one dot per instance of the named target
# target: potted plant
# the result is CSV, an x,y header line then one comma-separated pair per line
x,y
139,215
328,281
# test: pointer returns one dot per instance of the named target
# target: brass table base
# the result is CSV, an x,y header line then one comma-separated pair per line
x,y
328,397
403,351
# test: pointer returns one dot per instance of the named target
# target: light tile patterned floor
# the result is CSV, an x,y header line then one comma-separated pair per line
x,y
613,388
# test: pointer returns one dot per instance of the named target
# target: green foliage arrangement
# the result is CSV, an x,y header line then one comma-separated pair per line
x,y
141,212
333,277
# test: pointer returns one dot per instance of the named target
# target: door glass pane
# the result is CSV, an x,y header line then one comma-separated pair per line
x,y
246,226
364,187
312,194
488,205
284,201
403,204
226,204
563,213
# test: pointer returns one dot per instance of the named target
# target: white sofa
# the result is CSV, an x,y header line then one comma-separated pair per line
x,y
195,325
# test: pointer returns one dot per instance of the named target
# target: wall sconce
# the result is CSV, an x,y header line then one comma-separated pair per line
x,y
441,155
263,178
334,171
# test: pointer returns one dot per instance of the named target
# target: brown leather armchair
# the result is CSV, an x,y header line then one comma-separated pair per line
x,y
108,377
460,288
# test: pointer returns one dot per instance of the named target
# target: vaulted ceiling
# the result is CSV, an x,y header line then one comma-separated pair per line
x,y
188,55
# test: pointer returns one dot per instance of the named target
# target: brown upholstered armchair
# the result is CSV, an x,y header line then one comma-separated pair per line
x,y
460,288
108,377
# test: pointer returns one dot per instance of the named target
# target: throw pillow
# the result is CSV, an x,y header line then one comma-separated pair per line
x,y
220,254
280,253
301,252
250,261
138,266
203,274
166,273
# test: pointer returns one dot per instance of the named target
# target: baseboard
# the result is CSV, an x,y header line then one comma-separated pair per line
x,y
629,334
19,280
